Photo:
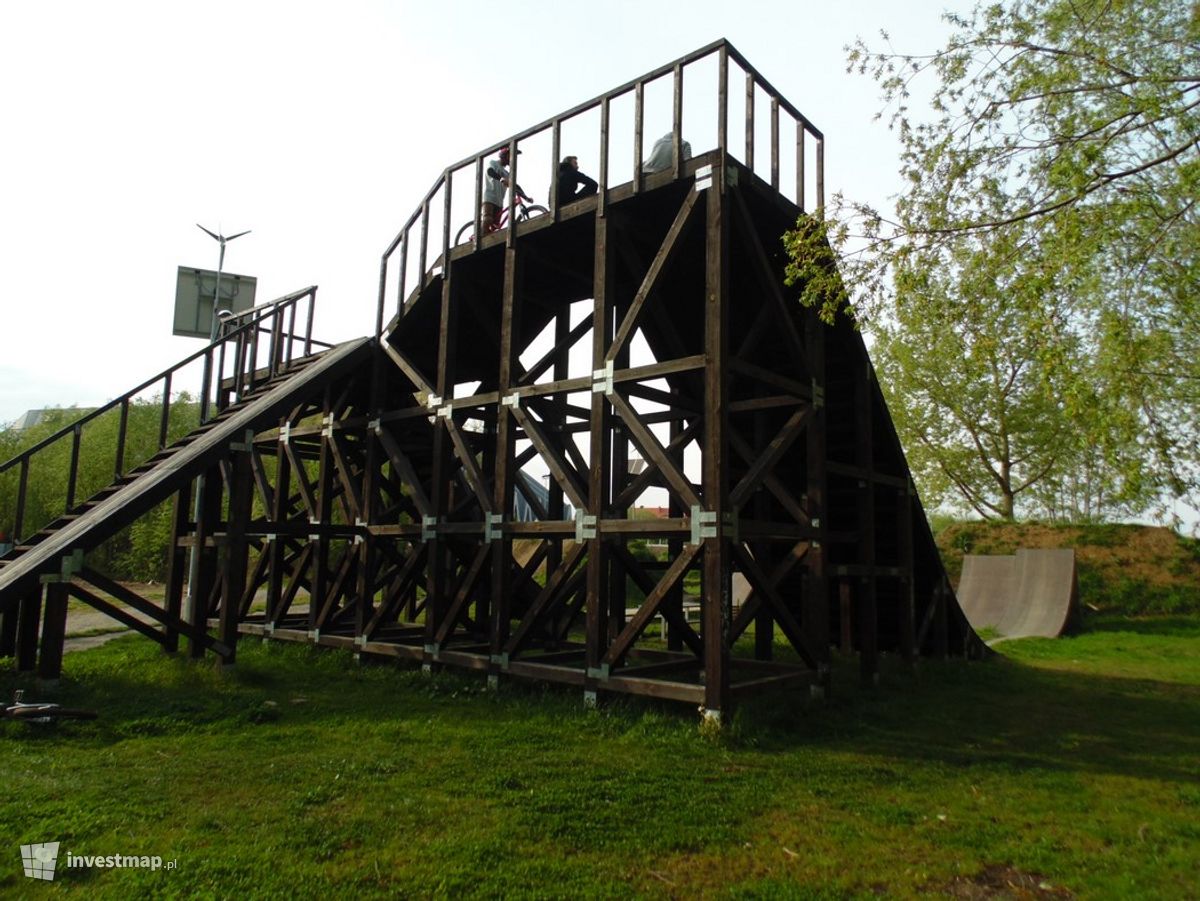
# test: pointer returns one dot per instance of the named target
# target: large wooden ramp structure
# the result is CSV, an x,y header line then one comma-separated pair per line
x,y
638,348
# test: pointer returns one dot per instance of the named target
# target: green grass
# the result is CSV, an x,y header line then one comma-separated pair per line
x,y
304,774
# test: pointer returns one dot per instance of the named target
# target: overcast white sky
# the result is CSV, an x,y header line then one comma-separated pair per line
x,y
319,126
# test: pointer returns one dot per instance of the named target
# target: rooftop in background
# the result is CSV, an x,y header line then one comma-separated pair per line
x,y
30,418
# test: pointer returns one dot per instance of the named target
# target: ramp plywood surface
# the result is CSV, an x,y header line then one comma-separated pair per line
x,y
987,588
1032,594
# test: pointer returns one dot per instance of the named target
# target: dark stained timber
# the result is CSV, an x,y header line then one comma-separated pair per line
x,y
635,350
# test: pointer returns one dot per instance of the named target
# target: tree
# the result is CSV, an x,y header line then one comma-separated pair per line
x,y
136,552
975,376
1062,136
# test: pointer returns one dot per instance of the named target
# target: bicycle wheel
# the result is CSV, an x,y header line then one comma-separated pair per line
x,y
534,210
465,230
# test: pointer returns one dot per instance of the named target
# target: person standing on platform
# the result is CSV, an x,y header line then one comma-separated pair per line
x,y
494,186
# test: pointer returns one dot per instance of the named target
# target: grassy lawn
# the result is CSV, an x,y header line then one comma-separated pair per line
x,y
1064,767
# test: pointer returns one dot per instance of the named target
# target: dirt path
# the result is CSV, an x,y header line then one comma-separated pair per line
x,y
89,628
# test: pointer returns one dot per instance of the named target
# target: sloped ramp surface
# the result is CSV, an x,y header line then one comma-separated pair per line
x,y
123,506
1034,593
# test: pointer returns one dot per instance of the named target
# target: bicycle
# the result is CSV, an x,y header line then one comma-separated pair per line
x,y
524,211
34,712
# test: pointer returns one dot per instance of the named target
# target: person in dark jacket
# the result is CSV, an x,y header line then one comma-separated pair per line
x,y
572,184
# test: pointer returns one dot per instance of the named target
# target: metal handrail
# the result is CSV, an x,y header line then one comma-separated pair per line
x,y
240,330
725,52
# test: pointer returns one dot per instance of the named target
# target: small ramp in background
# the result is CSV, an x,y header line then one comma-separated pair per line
x,y
1034,593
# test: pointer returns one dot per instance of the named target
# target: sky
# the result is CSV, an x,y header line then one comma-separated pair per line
x,y
319,127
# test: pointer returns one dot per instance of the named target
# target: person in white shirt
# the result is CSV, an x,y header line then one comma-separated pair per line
x,y
660,154
494,185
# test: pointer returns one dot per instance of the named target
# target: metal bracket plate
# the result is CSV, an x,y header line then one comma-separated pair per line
x,y
704,524
429,526
602,379
585,526
493,527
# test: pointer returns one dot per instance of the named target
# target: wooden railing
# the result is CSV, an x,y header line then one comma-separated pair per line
x,y
412,245
250,348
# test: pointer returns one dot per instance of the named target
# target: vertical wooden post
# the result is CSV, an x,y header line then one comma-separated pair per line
x,y
677,124
28,625
8,629
176,565
866,613
368,557
511,239
319,586
424,251
775,143
556,508
439,495
54,630
750,121
618,581
846,616
505,476
602,200
821,177
639,115
599,453
555,159
236,550
206,558
800,165
277,546
716,604
723,98
402,268
764,622
941,624
816,589
675,510
904,532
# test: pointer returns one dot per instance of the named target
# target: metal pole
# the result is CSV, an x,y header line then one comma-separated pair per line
x,y
194,556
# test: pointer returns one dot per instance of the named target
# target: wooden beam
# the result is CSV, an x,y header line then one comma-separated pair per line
x,y
649,608
653,451
661,262
770,456
564,474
